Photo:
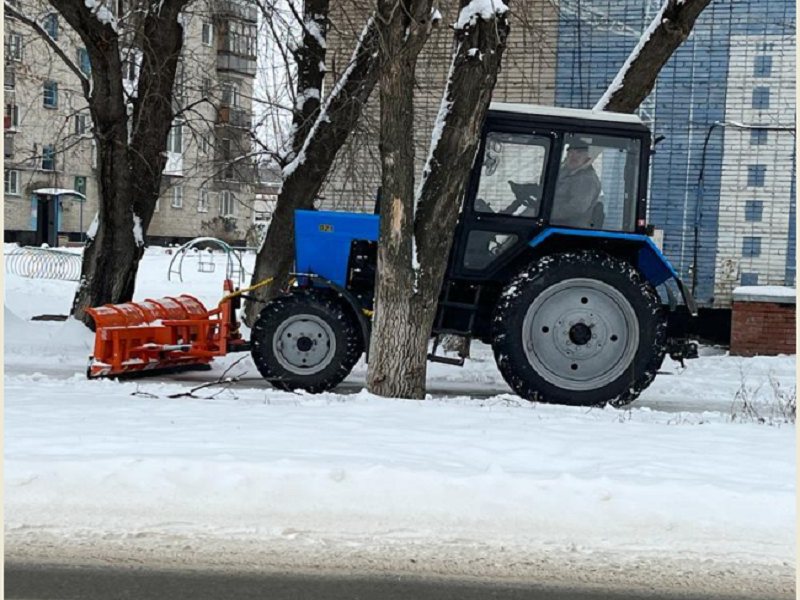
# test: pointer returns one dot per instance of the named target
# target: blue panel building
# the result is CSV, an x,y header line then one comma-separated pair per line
x,y
723,180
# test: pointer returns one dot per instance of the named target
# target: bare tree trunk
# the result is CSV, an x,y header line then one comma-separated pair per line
x,y
406,305
130,132
304,175
407,29
635,80
310,58
130,148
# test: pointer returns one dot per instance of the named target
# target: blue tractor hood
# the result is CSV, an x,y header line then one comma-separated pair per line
x,y
323,240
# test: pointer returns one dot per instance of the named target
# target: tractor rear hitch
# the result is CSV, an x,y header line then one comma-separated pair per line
x,y
681,349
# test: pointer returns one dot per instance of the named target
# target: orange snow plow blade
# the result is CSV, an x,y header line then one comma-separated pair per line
x,y
154,335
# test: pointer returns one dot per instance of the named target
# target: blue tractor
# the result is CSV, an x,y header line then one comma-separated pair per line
x,y
551,265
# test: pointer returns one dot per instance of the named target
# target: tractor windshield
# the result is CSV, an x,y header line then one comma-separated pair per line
x,y
597,183
511,180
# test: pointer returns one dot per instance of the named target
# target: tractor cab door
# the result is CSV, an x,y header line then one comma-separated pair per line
x,y
503,205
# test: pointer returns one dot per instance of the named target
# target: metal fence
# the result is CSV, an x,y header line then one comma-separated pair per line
x,y
43,263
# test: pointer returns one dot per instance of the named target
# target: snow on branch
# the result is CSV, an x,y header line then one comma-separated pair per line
x,y
648,33
86,84
102,13
323,116
479,9
671,26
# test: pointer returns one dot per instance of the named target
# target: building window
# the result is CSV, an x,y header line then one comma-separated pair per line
x,y
51,25
749,278
758,137
158,206
751,246
208,33
14,47
205,145
80,185
48,158
175,139
12,116
81,124
129,69
206,89
9,79
177,196
180,81
762,66
753,210
50,94
756,174
202,201
83,62
11,186
226,203
230,94
761,98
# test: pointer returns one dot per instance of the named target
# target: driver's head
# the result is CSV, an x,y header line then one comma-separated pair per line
x,y
577,155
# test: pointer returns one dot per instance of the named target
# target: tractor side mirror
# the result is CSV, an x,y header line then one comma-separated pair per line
x,y
650,230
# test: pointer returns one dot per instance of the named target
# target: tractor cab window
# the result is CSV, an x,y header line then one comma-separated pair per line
x,y
597,183
511,177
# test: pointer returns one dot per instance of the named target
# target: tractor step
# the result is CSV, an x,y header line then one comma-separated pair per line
x,y
458,362
463,352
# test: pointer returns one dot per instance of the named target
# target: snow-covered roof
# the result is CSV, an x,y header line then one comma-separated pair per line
x,y
573,113
58,192
765,293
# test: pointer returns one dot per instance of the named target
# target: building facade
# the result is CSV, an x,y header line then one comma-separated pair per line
x,y
208,187
722,185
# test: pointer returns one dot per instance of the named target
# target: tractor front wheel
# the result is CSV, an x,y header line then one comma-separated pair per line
x,y
306,341
582,328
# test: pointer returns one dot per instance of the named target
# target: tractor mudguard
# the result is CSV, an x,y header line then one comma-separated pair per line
x,y
650,261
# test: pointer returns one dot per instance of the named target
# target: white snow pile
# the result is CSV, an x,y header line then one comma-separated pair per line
x,y
766,291
471,481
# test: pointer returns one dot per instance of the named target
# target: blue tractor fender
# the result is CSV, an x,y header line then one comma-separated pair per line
x,y
649,259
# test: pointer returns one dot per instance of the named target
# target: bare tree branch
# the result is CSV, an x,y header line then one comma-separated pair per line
x,y
86,85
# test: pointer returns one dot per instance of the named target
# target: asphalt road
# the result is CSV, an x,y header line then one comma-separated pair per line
x,y
27,581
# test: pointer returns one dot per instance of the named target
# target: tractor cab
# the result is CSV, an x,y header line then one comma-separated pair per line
x,y
541,167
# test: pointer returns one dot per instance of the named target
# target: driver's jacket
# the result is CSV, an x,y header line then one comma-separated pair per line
x,y
576,196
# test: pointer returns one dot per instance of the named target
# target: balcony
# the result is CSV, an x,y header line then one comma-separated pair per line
x,y
236,9
237,173
233,116
238,64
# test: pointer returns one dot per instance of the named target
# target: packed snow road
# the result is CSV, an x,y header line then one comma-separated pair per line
x,y
686,490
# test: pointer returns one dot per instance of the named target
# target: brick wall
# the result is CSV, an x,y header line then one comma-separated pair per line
x,y
762,328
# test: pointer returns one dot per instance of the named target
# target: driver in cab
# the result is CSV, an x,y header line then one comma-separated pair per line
x,y
577,191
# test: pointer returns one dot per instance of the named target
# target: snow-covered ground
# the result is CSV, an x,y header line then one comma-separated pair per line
x,y
682,487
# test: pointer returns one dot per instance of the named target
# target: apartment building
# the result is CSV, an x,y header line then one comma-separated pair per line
x,y
208,187
722,185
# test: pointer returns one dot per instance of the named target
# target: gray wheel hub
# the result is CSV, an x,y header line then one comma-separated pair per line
x,y
304,344
580,334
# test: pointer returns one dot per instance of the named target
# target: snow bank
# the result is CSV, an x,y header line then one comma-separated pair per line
x,y
473,478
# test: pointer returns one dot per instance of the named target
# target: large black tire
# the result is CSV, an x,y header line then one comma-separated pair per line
x,y
307,341
580,328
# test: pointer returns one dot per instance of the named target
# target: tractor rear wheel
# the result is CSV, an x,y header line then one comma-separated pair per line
x,y
306,341
581,328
